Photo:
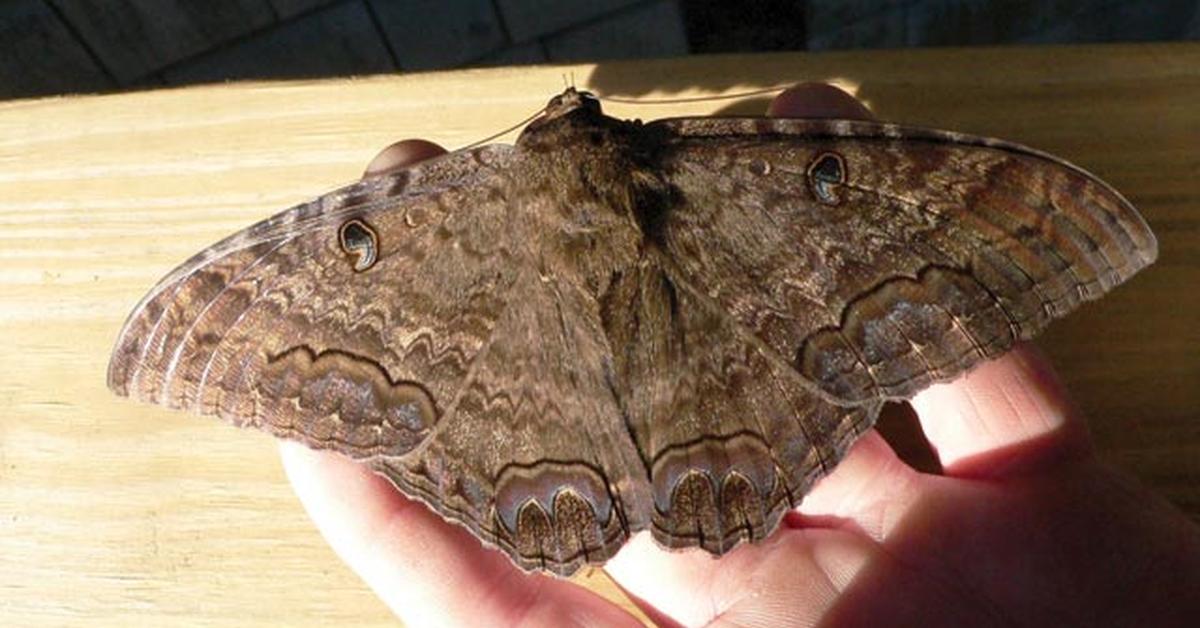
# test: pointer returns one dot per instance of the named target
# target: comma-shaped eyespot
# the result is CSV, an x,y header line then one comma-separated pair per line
x,y
359,241
826,171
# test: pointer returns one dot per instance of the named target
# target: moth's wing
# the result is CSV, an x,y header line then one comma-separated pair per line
x,y
805,271
534,448
879,259
219,333
413,365
731,435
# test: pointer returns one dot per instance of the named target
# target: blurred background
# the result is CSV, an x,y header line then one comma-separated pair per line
x,y
81,46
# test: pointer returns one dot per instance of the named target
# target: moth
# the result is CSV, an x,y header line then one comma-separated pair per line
x,y
615,326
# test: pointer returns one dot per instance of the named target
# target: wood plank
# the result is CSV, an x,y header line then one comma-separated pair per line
x,y
136,37
289,8
654,29
112,513
340,40
428,34
520,54
527,19
834,24
39,55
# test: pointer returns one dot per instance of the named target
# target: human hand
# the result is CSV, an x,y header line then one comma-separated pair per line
x,y
1025,525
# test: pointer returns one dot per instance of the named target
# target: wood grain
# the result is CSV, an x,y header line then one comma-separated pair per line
x,y
113,513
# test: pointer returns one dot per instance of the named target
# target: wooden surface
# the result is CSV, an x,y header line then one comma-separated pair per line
x,y
113,513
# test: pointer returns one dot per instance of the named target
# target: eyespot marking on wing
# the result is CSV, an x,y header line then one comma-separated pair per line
x,y
359,241
826,171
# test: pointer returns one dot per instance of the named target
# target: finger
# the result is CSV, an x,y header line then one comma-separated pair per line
x,y
382,536
430,573
402,154
818,100
869,491
1008,416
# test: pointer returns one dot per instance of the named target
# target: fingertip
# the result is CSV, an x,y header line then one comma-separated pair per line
x,y
427,571
818,100
400,549
400,155
1009,415
344,498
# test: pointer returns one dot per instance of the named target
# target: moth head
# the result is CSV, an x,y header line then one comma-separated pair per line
x,y
570,101
562,120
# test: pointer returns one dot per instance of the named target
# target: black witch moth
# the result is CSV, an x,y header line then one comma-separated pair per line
x,y
615,326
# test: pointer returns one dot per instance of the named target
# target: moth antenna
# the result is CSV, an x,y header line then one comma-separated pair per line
x,y
510,129
671,101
